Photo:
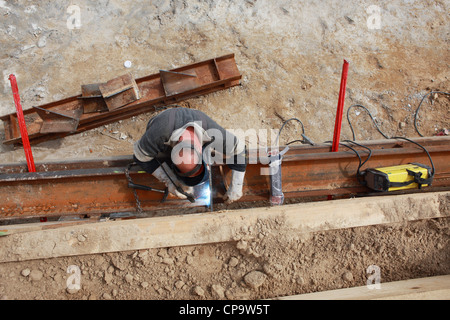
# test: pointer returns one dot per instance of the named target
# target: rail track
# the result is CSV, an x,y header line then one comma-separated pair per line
x,y
92,188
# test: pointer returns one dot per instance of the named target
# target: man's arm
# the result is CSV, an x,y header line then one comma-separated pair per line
x,y
148,150
148,166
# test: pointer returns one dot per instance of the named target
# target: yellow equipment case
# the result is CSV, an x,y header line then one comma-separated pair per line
x,y
408,176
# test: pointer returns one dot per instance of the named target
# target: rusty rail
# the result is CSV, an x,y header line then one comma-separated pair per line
x,y
95,187
156,90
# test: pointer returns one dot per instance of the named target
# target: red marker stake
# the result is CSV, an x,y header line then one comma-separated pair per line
x,y
340,112
340,108
22,125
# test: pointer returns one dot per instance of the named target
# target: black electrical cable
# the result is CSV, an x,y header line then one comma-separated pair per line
x,y
359,158
359,175
358,171
370,154
284,123
384,135
291,142
361,164
428,154
373,120
376,126
418,108
362,146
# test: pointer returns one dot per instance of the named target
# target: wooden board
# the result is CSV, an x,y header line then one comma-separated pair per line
x,y
432,288
194,229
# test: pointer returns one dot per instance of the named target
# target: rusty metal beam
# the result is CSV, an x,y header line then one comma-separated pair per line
x,y
211,75
97,187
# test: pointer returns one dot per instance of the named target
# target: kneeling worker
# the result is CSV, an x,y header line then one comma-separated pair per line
x,y
172,150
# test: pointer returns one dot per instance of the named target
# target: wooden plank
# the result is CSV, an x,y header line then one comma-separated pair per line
x,y
194,229
28,227
431,288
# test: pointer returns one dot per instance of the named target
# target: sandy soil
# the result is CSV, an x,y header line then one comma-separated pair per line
x,y
290,54
265,262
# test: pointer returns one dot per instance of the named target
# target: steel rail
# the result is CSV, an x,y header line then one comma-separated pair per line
x,y
212,75
99,186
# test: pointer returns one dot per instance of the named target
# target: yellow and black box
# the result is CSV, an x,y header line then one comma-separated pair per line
x,y
397,177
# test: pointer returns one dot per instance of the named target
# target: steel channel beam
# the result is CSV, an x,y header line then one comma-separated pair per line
x,y
214,74
97,187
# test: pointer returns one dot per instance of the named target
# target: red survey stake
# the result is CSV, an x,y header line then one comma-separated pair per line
x,y
22,125
340,108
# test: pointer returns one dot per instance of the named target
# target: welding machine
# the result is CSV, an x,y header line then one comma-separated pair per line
x,y
408,176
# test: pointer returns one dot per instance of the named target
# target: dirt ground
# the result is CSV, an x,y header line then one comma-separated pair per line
x,y
266,262
290,54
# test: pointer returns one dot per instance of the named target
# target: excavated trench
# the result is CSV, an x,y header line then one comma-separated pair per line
x,y
290,56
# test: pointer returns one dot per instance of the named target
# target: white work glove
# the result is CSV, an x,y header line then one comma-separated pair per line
x,y
234,191
162,176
